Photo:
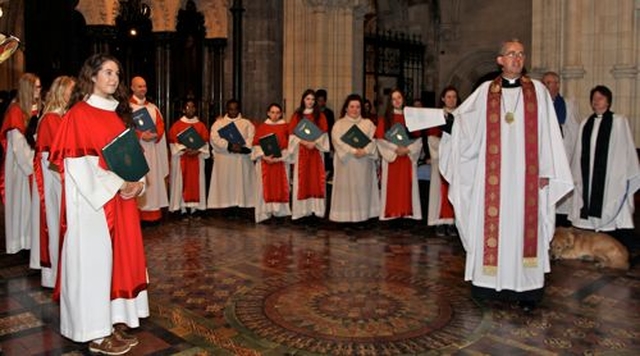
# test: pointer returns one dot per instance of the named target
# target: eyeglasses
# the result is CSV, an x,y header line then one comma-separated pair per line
x,y
514,54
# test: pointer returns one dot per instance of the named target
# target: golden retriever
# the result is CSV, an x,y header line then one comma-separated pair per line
x,y
606,251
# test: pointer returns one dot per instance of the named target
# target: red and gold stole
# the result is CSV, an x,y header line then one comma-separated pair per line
x,y
492,180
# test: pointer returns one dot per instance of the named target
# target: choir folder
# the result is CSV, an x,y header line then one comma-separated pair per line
x,y
270,146
397,135
355,138
231,134
190,138
143,121
307,130
125,158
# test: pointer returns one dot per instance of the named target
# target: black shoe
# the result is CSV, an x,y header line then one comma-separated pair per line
x,y
451,231
527,306
441,230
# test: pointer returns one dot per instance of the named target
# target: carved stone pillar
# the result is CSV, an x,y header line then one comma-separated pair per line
x,y
214,78
161,91
101,38
330,59
237,12
573,70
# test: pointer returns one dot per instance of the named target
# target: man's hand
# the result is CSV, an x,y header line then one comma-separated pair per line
x,y
360,152
148,136
130,190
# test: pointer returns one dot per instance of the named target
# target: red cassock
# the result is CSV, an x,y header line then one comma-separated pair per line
x,y
13,119
84,131
47,129
189,164
446,209
399,176
275,185
311,174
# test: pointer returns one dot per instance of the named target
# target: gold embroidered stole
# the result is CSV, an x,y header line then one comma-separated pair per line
x,y
492,177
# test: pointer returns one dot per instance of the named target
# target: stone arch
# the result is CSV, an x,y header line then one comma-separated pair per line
x,y
469,70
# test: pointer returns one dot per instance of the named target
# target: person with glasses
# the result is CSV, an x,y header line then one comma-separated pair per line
x,y
17,169
504,159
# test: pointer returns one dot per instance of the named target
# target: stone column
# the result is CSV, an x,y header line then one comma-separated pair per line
x,y
236,12
162,94
572,70
212,92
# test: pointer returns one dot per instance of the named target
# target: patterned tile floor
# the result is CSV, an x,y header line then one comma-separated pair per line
x,y
223,285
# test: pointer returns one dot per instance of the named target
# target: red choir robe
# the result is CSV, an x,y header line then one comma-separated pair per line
x,y
84,132
310,165
47,129
444,209
275,184
189,164
399,184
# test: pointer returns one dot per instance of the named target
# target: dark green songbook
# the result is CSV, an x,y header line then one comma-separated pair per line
x,y
143,121
270,146
355,138
125,158
190,138
232,134
398,135
307,130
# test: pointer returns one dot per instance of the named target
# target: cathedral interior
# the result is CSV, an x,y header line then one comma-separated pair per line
x,y
222,285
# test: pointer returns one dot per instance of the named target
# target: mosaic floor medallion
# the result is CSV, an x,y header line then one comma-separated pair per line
x,y
346,316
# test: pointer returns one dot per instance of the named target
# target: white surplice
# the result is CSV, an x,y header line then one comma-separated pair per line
x,y
462,164
570,132
621,182
18,166
52,199
233,174
355,196
155,152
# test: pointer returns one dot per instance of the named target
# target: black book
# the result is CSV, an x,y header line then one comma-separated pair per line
x,y
398,135
232,134
190,138
307,130
355,138
270,146
125,158
143,120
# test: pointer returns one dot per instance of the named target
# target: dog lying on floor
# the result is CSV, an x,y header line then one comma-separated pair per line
x,y
606,251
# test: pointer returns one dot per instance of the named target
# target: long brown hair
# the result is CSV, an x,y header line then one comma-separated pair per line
x,y
25,99
84,86
388,112
316,109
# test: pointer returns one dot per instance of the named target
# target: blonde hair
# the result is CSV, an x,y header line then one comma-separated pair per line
x,y
26,88
56,102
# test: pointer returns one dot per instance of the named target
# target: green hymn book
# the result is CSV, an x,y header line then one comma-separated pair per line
x,y
125,158
355,138
307,130
398,135
190,138
270,146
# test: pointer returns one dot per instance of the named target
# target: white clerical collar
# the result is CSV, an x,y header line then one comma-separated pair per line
x,y
307,110
138,100
397,111
187,120
353,119
99,102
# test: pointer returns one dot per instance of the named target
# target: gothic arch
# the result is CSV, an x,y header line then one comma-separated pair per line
x,y
469,70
